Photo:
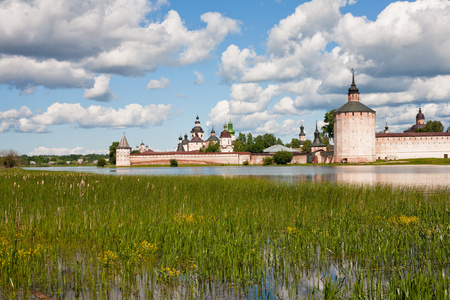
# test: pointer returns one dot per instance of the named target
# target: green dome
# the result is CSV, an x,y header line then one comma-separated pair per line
x,y
230,128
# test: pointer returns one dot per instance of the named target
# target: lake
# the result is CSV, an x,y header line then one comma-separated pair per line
x,y
397,175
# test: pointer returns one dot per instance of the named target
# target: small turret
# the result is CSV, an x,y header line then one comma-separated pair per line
x,y
386,128
353,91
180,147
420,117
302,136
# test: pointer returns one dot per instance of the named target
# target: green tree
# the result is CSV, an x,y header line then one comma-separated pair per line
x,y
173,163
267,161
241,137
448,129
9,159
247,143
305,147
324,138
269,140
257,146
282,157
213,147
249,139
112,152
101,162
295,143
328,128
239,146
432,126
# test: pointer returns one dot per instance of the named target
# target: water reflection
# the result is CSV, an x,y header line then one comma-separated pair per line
x,y
396,175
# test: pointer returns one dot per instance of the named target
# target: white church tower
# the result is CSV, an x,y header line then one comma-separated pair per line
x,y
123,152
354,130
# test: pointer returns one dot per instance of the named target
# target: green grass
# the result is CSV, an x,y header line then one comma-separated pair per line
x,y
416,161
178,237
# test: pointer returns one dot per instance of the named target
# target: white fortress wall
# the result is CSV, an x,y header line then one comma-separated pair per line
x,y
412,145
163,158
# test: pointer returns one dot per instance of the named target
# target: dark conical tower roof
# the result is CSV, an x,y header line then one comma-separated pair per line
x,y
123,142
180,148
317,142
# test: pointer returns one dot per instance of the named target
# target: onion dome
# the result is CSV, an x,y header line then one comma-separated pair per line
x,y
197,128
420,115
185,141
230,128
302,130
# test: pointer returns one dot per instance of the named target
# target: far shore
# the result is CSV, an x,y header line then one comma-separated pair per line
x,y
412,161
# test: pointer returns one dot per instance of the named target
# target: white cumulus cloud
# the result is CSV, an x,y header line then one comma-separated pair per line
x,y
60,44
24,72
162,83
100,91
132,115
65,151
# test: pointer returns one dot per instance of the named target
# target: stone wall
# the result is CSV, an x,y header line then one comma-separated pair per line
x,y
163,158
320,157
412,145
354,137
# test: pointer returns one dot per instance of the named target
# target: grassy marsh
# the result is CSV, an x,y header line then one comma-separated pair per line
x,y
77,235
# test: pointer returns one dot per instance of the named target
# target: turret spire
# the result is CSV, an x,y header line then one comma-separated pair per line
x,y
353,91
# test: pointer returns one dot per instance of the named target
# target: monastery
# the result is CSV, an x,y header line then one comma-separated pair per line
x,y
355,141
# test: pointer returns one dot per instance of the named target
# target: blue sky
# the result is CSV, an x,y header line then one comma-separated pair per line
x,y
74,77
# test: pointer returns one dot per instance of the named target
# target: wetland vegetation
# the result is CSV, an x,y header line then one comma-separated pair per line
x,y
79,235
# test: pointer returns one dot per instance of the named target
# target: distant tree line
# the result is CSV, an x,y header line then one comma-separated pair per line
x,y
60,159
432,126
247,143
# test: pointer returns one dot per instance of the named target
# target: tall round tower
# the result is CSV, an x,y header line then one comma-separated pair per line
x,y
354,130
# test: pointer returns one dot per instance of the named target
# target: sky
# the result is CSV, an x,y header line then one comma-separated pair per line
x,y
76,75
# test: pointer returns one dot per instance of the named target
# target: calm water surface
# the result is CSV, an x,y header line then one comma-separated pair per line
x,y
413,175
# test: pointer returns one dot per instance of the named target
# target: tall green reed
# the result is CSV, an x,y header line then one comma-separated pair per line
x,y
84,233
